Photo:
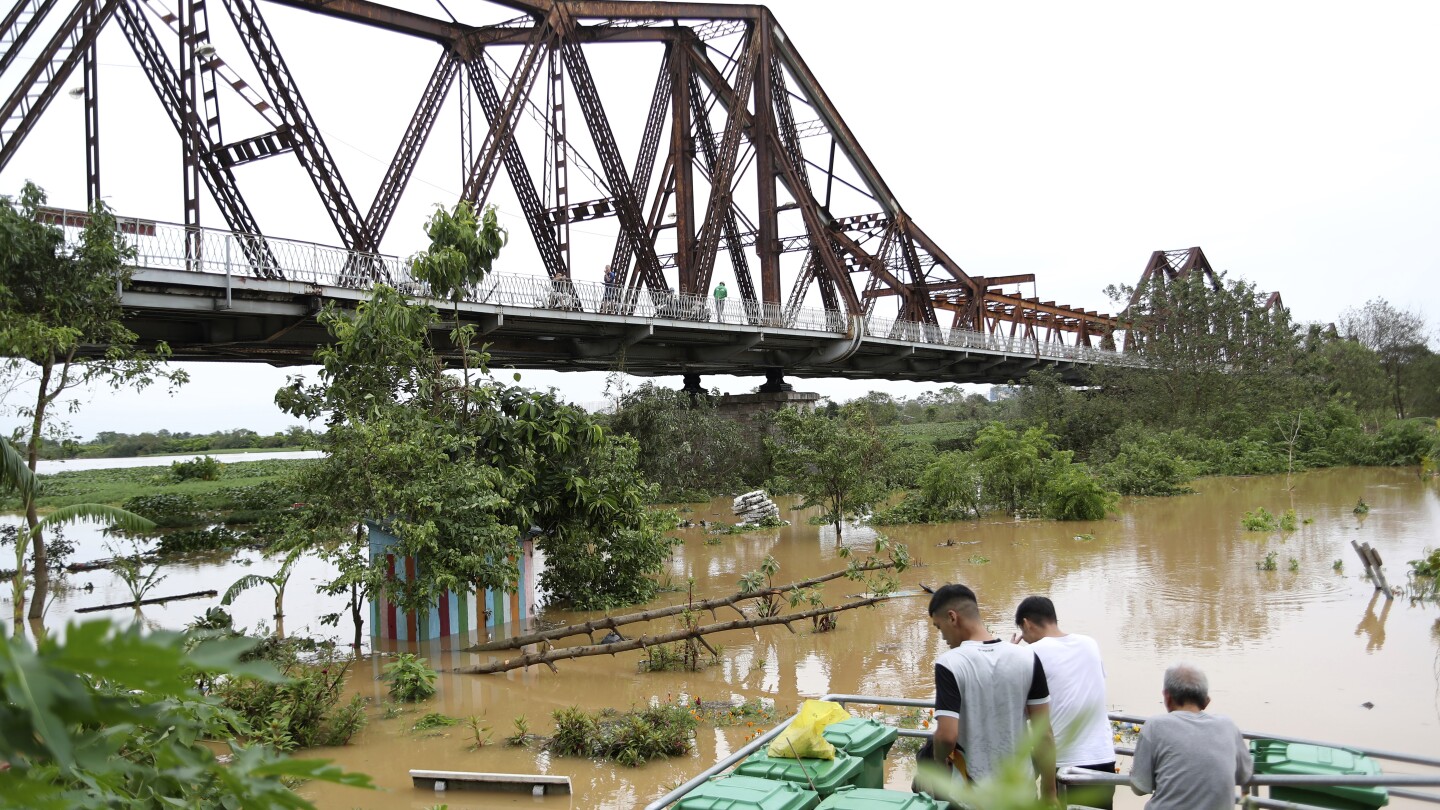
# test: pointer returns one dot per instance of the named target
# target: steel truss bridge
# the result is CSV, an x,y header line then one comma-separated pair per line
x,y
741,154
218,308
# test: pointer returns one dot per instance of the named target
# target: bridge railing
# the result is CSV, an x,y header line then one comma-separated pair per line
x,y
170,246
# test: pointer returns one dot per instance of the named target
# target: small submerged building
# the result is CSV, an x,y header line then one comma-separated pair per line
x,y
456,618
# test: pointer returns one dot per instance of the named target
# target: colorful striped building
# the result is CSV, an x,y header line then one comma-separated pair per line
x,y
476,614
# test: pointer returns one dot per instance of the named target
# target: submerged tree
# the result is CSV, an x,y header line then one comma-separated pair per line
x,y
1217,355
837,463
1396,336
460,473
56,298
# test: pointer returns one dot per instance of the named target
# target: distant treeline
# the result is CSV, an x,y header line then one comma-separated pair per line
x,y
110,444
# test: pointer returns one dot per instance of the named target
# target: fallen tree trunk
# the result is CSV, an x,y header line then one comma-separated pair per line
x,y
157,601
549,657
613,622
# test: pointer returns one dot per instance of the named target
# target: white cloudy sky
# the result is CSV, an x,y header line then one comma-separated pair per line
x,y
1298,143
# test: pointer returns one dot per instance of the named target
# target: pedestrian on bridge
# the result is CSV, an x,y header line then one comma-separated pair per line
x,y
720,294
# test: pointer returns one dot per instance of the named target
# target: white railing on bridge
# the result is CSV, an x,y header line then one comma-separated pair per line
x,y
170,246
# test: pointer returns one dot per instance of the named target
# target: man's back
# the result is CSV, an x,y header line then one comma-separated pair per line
x,y
987,685
1076,679
1191,761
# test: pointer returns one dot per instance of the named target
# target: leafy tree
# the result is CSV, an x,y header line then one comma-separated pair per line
x,y
54,299
1215,358
277,583
688,448
1012,466
1397,336
111,718
459,473
462,250
835,463
953,483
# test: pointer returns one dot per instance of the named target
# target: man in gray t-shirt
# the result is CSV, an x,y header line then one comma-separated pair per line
x,y
1189,759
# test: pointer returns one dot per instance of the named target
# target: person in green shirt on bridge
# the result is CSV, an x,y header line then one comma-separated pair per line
x,y
720,294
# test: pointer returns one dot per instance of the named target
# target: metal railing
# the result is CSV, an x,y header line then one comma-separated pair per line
x,y
1397,784
170,246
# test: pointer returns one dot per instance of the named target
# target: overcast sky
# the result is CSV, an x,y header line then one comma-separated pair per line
x,y
1297,143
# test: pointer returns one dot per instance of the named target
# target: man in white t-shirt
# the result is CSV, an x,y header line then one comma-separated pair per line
x,y
1077,695
986,694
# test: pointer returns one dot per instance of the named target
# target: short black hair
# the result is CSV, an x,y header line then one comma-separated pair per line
x,y
947,595
1038,609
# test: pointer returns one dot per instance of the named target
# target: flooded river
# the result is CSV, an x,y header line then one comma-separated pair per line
x,y
1289,652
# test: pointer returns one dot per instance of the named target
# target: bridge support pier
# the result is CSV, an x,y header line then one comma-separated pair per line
x,y
693,387
775,382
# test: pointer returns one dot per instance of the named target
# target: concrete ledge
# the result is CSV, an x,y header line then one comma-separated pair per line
x,y
537,783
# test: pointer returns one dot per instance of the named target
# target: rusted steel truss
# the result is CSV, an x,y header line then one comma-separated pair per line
x,y
743,166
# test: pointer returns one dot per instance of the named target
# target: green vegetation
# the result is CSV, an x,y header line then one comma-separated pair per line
x,y
632,738
433,720
522,732
112,444
1427,566
304,710
111,718
690,451
411,678
460,473
56,297
200,468
1260,520
835,462
1269,563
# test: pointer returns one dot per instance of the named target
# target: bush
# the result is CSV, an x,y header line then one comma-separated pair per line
x,y
1074,494
200,468
1147,467
303,711
185,541
1402,444
631,739
411,678
1261,520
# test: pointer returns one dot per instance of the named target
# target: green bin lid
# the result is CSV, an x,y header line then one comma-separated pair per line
x,y
825,774
748,793
859,736
1301,759
853,798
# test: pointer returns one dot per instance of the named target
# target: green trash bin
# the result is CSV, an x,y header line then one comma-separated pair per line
x,y
827,775
858,798
868,740
748,793
1276,757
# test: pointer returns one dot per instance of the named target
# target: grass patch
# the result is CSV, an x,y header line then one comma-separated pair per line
x,y
115,486
431,720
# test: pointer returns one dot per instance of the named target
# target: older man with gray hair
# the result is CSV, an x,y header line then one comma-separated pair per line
x,y
1189,759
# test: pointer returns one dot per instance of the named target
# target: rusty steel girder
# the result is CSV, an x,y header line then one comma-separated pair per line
x,y
740,148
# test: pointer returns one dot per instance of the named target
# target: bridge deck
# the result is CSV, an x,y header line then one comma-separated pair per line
x,y
219,307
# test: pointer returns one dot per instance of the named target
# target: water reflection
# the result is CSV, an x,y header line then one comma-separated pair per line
x,y
1374,628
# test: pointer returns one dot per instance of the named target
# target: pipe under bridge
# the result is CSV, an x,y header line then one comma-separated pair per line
x,y
217,308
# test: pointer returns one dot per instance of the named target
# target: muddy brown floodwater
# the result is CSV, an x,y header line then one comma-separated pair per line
x,y
1287,652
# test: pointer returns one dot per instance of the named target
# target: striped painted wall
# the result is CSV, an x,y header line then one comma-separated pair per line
x,y
454,613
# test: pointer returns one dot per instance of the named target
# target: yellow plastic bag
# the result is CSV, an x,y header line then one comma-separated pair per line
x,y
803,737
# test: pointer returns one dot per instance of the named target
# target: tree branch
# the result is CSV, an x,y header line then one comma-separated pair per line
x,y
549,657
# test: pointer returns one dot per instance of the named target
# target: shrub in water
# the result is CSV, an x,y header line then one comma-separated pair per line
x,y
411,678
1261,520
631,739
200,468
170,511
301,712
